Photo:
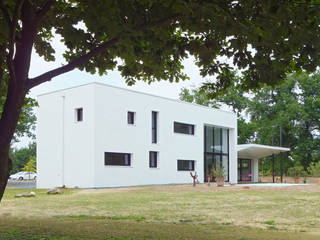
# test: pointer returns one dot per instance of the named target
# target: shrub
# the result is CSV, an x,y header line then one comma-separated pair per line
x,y
314,169
218,172
296,172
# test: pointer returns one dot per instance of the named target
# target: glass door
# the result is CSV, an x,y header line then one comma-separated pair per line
x,y
244,170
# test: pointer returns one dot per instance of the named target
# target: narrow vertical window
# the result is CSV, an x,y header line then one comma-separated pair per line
x,y
153,159
79,114
131,118
154,127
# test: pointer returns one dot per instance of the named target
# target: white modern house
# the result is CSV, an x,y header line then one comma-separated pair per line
x,y
96,135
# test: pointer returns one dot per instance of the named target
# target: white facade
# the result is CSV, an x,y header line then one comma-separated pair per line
x,y
72,153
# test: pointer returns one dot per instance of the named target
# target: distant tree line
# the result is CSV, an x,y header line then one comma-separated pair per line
x,y
294,105
23,158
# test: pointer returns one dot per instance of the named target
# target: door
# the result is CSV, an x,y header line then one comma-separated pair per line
x,y
244,169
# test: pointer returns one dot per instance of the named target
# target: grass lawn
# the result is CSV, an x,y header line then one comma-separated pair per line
x,y
164,212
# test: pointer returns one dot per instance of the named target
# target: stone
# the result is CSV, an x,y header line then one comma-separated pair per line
x,y
30,194
54,191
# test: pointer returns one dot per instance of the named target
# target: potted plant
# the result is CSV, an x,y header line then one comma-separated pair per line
x,y
219,174
296,172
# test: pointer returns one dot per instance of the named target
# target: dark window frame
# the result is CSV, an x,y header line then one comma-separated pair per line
x,y
131,118
153,154
124,162
79,114
176,128
185,161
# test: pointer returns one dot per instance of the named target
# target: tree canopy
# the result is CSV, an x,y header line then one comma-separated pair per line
x,y
148,39
294,106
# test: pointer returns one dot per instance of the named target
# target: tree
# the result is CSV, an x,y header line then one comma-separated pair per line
x,y
31,165
27,118
293,105
21,156
314,169
148,39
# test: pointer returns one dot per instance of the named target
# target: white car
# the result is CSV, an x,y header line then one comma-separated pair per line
x,y
23,176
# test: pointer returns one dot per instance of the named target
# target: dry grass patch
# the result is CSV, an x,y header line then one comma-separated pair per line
x,y
290,209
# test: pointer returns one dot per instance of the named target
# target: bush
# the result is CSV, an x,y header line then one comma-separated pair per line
x,y
314,169
218,172
296,172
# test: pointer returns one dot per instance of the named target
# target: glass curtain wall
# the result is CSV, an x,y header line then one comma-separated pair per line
x,y
216,150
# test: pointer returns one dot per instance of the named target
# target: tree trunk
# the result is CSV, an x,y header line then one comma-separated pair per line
x,y
5,167
16,93
8,123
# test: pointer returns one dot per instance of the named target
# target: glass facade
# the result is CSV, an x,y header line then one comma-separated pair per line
x,y
216,150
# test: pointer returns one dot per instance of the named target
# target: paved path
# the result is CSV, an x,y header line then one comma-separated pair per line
x,y
273,184
13,184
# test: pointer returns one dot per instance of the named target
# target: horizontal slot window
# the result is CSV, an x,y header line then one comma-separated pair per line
x,y
186,165
183,128
117,159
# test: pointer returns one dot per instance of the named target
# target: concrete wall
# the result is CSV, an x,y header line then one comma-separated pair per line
x,y
105,129
65,152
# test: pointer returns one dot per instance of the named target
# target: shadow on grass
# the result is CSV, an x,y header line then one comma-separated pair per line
x,y
127,227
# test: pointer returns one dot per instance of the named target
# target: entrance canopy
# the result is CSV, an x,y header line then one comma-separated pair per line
x,y
256,151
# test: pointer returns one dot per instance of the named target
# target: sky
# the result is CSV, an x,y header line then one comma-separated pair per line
x,y
77,77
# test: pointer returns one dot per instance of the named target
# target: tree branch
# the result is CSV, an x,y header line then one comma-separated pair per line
x,y
12,37
85,58
5,13
70,66
43,11
2,53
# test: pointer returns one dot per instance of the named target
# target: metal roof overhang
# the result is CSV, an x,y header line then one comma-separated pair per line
x,y
256,151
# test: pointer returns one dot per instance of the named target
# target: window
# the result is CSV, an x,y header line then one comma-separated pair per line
x,y
79,114
216,150
186,165
217,140
131,117
117,159
183,128
153,159
154,128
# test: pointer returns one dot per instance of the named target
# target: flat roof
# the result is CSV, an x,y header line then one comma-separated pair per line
x,y
134,91
256,151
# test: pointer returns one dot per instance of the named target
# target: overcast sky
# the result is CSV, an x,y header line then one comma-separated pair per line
x,y
76,77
